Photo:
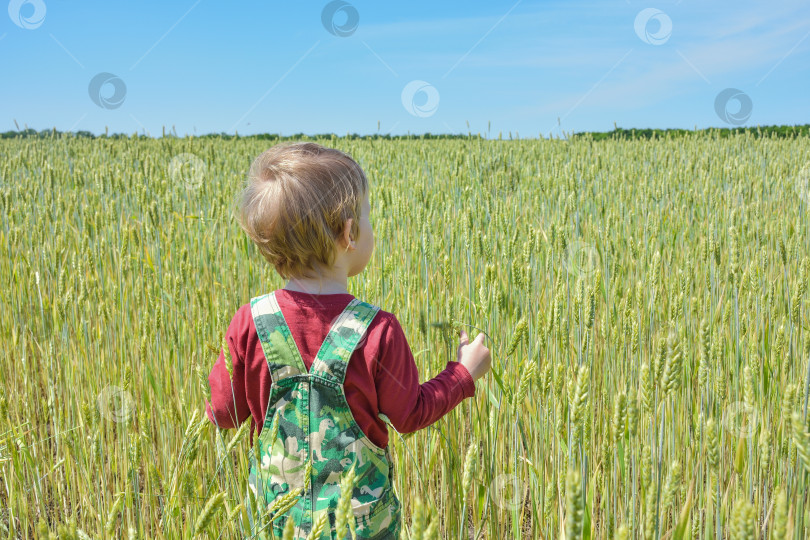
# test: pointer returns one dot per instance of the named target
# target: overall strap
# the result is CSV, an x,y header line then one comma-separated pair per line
x,y
282,354
342,339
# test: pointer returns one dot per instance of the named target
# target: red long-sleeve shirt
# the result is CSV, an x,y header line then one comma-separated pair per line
x,y
381,376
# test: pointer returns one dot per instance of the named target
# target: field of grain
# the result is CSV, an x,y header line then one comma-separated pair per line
x,y
646,300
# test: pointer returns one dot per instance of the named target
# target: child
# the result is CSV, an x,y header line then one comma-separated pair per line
x,y
315,367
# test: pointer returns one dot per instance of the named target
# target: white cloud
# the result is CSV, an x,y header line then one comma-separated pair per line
x,y
738,57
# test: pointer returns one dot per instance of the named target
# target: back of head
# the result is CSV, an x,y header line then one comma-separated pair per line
x,y
297,198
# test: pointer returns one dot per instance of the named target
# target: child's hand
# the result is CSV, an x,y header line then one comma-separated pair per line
x,y
474,356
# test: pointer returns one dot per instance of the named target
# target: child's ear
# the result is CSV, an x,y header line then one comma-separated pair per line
x,y
347,229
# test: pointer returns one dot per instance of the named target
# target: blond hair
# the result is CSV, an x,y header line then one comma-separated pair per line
x,y
296,202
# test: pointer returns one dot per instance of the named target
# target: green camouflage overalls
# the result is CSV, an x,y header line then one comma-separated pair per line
x,y
315,423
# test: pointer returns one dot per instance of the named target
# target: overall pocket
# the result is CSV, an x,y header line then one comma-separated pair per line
x,y
383,521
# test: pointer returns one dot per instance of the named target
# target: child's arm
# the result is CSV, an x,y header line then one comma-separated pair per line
x,y
409,405
229,407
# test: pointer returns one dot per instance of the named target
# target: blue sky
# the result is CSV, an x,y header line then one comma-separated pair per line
x,y
258,67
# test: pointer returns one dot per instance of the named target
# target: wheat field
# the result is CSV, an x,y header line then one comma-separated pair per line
x,y
646,302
